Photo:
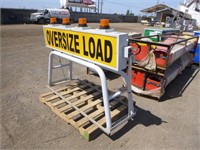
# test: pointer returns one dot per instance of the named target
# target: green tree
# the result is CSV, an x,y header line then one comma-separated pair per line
x,y
127,12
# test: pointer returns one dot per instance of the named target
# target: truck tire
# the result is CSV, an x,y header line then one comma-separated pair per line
x,y
41,21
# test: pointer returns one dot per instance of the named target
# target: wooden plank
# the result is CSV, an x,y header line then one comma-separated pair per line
x,y
92,115
45,100
65,87
89,105
83,99
66,92
91,130
47,103
72,97
50,93
61,115
73,123
68,98
96,113
103,121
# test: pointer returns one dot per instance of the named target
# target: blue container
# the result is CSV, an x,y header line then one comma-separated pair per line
x,y
197,33
196,58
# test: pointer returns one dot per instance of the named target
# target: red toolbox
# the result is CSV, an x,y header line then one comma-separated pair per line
x,y
160,58
141,51
152,82
137,78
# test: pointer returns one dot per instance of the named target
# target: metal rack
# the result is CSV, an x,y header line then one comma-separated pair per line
x,y
160,72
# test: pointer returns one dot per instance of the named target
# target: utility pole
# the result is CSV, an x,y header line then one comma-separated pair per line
x,y
101,6
158,2
98,6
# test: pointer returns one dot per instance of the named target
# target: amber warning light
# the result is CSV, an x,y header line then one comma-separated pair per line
x,y
53,21
65,21
104,24
82,22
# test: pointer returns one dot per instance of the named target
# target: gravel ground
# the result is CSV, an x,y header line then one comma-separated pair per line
x,y
26,123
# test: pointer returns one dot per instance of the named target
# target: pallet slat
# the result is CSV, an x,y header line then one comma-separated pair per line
x,y
88,133
64,88
80,101
92,115
62,93
89,105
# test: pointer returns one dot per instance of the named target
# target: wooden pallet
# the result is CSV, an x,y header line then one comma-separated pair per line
x,y
88,98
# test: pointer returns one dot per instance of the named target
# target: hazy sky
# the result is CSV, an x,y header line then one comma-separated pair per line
x,y
109,6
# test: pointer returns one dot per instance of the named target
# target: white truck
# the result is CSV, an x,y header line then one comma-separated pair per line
x,y
43,16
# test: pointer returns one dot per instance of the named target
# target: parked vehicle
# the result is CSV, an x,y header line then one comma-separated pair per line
x,y
144,22
43,16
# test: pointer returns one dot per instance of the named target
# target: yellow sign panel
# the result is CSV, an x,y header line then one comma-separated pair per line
x,y
94,47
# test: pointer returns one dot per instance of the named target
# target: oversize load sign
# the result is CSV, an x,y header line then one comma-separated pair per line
x,y
96,48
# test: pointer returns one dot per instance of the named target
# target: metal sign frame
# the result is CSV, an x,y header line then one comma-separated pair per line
x,y
106,98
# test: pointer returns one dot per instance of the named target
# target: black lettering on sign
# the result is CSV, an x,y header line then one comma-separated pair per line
x,y
60,40
64,43
55,38
50,39
108,51
67,41
99,50
76,43
71,41
91,47
84,49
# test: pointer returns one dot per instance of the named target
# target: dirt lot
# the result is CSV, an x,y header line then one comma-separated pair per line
x,y
26,123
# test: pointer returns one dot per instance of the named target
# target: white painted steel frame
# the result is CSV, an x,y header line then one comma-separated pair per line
x,y
106,97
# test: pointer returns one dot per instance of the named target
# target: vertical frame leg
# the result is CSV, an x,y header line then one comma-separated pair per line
x,y
50,67
129,91
70,70
105,97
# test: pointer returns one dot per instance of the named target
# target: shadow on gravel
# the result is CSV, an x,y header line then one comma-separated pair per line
x,y
143,117
109,75
177,87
